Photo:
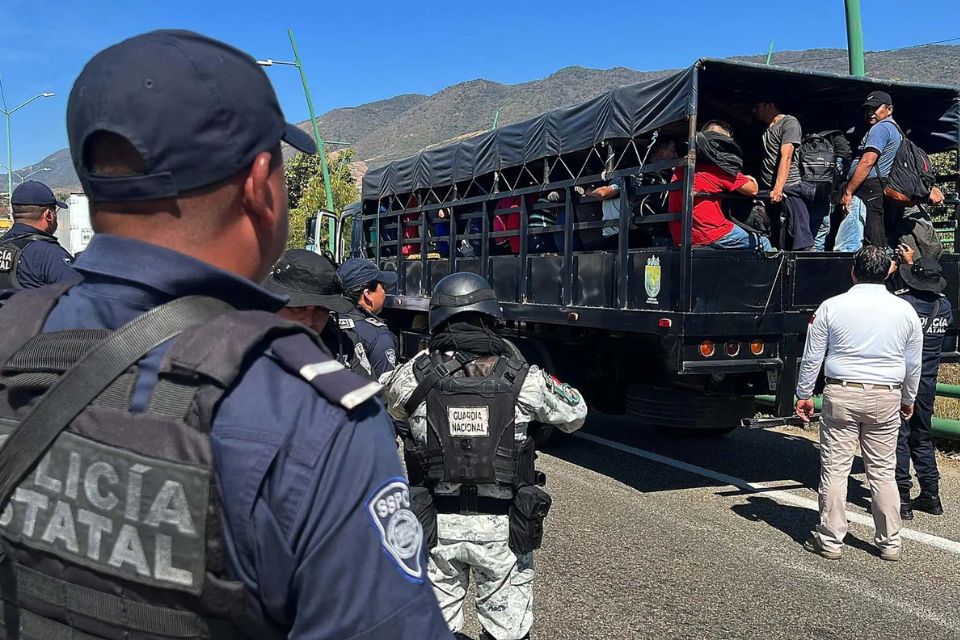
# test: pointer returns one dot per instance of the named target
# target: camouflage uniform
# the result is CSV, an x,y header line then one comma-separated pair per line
x,y
504,579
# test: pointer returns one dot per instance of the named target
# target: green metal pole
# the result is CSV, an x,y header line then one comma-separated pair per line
x,y
9,165
331,240
770,52
940,427
854,38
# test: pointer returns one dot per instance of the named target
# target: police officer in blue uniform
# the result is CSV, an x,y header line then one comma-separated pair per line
x,y
234,481
365,286
30,255
921,283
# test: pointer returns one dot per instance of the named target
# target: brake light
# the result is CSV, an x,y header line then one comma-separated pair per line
x,y
732,349
665,323
707,348
756,347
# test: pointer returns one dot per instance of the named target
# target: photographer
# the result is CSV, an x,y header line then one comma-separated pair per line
x,y
921,283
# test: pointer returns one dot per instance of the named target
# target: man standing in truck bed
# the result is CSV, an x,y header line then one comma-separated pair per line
x,y
781,172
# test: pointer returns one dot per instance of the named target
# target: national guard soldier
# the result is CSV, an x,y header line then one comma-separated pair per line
x,y
923,285
469,403
30,255
373,345
178,461
310,281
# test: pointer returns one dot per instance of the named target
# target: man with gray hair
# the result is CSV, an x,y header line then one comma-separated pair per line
x,y
872,371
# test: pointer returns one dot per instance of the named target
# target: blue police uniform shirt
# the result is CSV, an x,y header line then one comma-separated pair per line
x,y
885,138
41,263
301,478
934,330
378,341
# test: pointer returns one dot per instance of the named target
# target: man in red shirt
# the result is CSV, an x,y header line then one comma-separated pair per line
x,y
711,228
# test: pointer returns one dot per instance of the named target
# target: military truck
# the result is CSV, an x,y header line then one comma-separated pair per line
x,y
679,336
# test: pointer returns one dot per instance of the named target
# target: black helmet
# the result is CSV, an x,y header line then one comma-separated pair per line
x,y
459,293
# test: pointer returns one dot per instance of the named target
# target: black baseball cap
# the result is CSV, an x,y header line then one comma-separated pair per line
x,y
197,110
877,98
309,280
358,272
37,194
925,274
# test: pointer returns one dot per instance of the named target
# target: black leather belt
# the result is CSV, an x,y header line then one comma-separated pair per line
x,y
863,385
467,504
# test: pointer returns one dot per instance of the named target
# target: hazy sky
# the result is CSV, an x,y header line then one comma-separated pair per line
x,y
356,51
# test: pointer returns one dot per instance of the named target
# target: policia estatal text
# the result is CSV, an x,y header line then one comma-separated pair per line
x,y
213,472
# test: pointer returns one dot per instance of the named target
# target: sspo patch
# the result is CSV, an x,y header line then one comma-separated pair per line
x,y
401,534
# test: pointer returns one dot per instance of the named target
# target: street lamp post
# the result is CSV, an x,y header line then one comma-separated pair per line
x,y
9,112
23,178
32,173
331,241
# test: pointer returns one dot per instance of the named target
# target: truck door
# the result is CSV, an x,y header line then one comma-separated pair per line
x,y
314,231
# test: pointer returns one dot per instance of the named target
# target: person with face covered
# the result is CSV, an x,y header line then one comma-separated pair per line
x,y
249,486
718,171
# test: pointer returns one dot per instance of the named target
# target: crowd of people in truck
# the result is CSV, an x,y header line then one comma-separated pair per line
x,y
811,192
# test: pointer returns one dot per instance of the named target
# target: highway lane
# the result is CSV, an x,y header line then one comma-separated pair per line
x,y
652,536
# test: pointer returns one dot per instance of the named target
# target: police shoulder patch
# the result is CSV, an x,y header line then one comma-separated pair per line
x,y
375,321
391,356
345,323
565,392
401,534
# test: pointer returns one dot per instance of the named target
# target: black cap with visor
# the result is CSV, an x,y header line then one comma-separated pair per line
x,y
196,109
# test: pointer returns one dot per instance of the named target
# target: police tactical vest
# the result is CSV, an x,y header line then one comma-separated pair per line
x,y
116,533
354,355
470,418
11,251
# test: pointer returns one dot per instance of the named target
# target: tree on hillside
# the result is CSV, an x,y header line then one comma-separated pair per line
x,y
304,177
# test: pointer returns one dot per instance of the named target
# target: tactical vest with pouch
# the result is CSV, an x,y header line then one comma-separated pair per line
x,y
10,253
471,437
114,531
350,352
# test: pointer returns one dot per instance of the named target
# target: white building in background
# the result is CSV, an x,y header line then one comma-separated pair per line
x,y
73,228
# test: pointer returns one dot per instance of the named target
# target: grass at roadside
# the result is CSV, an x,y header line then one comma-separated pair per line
x,y
948,407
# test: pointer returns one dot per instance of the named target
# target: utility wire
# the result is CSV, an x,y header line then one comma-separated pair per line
x,y
867,53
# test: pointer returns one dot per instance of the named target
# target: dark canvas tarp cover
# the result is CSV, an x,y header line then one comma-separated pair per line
x,y
727,89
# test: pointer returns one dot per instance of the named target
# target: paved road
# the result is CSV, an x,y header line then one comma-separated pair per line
x,y
705,542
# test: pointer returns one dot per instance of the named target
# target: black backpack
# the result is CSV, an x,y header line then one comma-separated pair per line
x,y
911,177
818,158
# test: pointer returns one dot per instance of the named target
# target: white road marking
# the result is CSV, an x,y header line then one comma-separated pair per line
x,y
781,496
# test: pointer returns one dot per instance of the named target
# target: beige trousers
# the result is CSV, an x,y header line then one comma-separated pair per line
x,y
872,418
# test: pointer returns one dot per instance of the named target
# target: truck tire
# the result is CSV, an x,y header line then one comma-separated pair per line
x,y
686,412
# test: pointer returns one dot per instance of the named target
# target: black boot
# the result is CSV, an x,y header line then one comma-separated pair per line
x,y
929,500
906,510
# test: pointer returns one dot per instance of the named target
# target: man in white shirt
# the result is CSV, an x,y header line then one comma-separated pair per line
x,y
870,343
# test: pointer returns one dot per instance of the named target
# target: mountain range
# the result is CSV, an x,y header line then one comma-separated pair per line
x,y
384,130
